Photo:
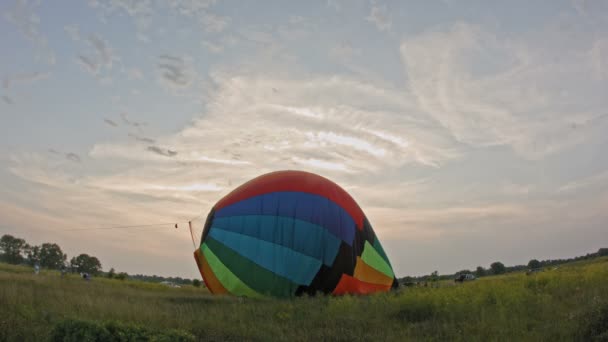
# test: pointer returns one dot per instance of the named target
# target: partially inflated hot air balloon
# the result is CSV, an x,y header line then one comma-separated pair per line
x,y
289,233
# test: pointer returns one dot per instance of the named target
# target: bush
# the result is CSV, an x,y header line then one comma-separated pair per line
x,y
89,331
196,283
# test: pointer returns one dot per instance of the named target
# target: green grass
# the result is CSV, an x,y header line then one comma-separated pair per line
x,y
570,303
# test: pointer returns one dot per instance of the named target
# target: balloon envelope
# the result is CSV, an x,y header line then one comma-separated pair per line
x,y
289,233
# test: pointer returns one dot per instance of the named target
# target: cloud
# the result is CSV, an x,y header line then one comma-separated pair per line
x,y
191,7
101,57
89,64
140,11
213,23
7,100
110,122
596,181
103,51
129,122
70,156
320,164
135,74
215,48
490,91
200,10
24,17
343,52
26,78
73,157
175,72
334,4
380,16
249,127
161,151
599,59
142,139
73,32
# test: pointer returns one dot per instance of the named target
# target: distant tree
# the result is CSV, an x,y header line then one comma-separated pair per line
x,y
13,249
51,256
534,264
122,276
498,268
602,252
85,263
111,273
463,272
196,283
480,272
33,255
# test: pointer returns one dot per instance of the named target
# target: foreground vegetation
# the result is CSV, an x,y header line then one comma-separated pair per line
x,y
568,303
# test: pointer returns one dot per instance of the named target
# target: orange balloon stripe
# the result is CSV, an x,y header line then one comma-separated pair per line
x,y
211,281
352,285
368,274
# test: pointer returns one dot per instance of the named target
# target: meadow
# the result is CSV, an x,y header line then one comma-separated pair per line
x,y
567,303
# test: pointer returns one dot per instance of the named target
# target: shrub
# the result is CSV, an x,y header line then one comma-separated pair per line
x,y
88,331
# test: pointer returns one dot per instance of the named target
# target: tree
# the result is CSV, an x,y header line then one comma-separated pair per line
x,y
51,256
85,263
111,273
498,268
122,276
534,264
462,272
602,252
13,249
33,255
196,283
480,272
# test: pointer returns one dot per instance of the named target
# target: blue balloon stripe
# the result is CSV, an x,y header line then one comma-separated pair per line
x,y
303,206
301,236
297,267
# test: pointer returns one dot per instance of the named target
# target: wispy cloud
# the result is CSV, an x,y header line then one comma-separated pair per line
x,y
89,64
25,78
70,156
23,15
135,74
380,16
503,103
7,100
132,123
73,32
101,57
73,157
161,151
343,52
175,72
110,122
142,139
596,181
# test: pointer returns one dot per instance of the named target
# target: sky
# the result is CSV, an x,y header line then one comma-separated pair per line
x,y
468,131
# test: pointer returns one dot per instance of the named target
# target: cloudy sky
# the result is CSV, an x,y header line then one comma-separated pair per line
x,y
468,132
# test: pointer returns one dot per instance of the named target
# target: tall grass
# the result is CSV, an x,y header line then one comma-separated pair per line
x,y
563,304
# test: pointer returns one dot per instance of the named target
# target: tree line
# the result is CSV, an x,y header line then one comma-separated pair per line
x,y
14,250
17,251
497,268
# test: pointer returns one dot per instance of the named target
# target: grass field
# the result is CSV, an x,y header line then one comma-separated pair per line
x,y
568,303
